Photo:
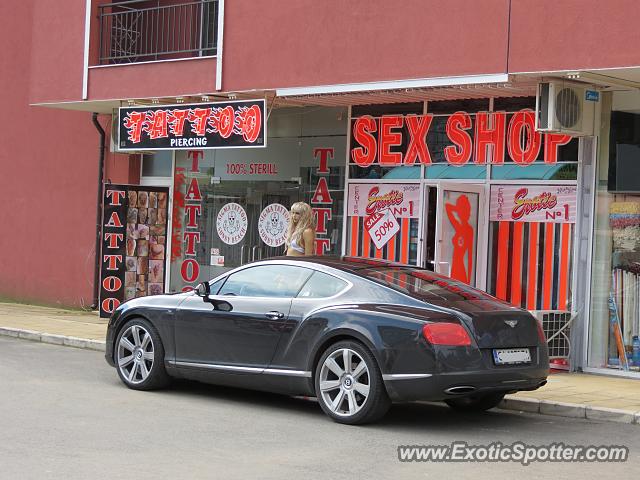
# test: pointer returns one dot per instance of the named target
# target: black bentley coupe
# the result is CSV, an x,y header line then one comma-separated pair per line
x,y
356,333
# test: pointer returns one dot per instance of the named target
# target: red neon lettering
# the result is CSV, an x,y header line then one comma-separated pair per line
x,y
322,215
324,155
193,191
158,128
113,261
192,211
113,238
222,121
176,121
322,194
418,129
112,284
490,136
133,124
551,143
460,152
249,122
362,129
114,220
190,270
198,118
115,196
191,238
389,139
523,142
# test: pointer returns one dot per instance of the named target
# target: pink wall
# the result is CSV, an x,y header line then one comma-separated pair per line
x,y
283,43
157,79
57,56
49,175
573,34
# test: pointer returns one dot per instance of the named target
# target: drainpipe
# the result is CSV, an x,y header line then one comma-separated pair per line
x,y
96,268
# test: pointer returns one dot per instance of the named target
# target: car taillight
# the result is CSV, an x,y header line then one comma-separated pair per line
x,y
443,333
541,334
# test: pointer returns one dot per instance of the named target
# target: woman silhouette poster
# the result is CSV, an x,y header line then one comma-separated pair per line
x,y
459,235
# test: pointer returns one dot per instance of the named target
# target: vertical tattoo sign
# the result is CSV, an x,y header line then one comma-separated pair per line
x,y
113,250
322,202
134,243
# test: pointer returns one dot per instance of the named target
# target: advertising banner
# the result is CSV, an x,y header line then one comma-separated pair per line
x,y
234,124
134,243
533,203
401,199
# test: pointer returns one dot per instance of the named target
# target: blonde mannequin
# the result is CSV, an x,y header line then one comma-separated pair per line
x,y
301,235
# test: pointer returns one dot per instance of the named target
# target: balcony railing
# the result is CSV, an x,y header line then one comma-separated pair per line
x,y
142,31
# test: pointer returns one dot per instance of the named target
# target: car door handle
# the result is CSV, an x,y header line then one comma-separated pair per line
x,y
273,315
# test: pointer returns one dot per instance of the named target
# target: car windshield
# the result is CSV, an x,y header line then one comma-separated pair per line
x,y
425,285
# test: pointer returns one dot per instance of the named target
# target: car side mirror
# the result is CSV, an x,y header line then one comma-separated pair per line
x,y
204,290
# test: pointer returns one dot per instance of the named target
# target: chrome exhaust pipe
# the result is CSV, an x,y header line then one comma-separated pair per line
x,y
542,383
459,390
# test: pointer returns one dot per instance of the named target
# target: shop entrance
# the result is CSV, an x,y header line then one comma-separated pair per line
x,y
454,231
248,221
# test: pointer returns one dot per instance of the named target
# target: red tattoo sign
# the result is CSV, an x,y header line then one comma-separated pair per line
x,y
203,125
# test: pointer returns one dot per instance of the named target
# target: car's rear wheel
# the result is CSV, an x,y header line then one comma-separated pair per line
x,y
140,356
476,403
349,384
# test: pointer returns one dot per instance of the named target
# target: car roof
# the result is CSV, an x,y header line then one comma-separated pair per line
x,y
345,263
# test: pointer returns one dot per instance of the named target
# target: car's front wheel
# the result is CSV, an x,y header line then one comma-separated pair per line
x,y
139,356
476,403
349,384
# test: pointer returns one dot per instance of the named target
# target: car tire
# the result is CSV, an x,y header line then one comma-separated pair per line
x,y
139,356
476,403
349,385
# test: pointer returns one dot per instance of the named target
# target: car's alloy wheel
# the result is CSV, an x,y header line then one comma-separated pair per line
x,y
349,384
140,355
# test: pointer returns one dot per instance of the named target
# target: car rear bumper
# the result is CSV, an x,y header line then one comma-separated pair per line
x,y
442,386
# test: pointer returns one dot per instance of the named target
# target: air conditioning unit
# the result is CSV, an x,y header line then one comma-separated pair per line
x,y
565,107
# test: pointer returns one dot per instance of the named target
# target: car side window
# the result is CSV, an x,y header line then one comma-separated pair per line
x,y
215,286
322,285
280,281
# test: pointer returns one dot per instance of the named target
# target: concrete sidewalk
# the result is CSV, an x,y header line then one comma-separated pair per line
x,y
576,395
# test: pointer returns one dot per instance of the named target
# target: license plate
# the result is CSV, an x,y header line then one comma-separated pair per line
x,y
511,355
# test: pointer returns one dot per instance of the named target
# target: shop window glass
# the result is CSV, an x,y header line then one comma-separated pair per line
x,y
231,205
158,164
615,289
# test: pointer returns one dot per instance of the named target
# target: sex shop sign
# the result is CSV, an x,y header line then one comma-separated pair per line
x,y
237,124
458,139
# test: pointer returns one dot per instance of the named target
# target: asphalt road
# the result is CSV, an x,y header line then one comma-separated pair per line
x,y
65,414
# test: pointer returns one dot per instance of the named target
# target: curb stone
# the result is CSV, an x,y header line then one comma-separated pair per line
x,y
30,335
53,339
561,409
530,405
610,414
9,332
